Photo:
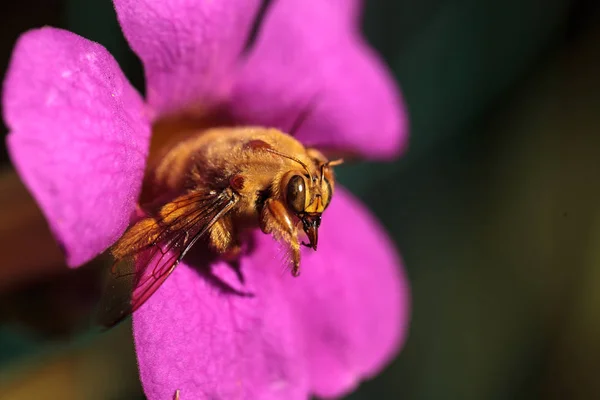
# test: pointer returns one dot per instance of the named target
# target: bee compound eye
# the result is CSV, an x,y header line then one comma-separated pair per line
x,y
296,193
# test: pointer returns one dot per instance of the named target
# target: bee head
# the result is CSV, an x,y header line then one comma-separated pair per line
x,y
307,196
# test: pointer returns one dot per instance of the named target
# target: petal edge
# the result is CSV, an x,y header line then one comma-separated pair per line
x,y
78,137
309,58
188,48
353,299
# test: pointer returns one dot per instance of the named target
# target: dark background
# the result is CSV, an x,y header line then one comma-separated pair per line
x,y
495,208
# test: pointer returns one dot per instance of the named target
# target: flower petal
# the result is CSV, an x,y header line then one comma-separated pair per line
x,y
79,137
197,337
187,47
309,57
341,321
352,299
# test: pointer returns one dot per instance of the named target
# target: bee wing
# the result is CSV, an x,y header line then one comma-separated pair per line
x,y
151,249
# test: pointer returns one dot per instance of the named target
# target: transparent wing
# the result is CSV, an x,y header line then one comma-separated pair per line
x,y
151,249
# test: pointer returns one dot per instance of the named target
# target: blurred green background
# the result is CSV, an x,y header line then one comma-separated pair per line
x,y
495,208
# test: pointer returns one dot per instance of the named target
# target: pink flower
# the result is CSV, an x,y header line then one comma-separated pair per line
x,y
80,137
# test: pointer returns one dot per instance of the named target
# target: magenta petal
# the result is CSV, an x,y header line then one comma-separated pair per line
x,y
341,321
188,48
209,344
79,137
352,299
308,57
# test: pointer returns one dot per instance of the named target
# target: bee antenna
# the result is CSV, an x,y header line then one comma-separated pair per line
x,y
290,158
334,163
322,172
330,164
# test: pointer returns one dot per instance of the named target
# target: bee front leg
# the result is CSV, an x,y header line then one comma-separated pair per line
x,y
276,220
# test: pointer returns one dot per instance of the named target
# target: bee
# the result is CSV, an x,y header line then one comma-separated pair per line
x,y
219,184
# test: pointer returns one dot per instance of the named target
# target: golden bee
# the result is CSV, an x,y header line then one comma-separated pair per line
x,y
219,184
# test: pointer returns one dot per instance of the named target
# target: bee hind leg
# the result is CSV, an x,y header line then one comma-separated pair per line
x,y
276,220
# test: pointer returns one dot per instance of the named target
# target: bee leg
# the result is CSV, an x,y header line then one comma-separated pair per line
x,y
222,239
276,220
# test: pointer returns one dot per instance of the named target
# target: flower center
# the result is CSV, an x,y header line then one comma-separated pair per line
x,y
168,132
